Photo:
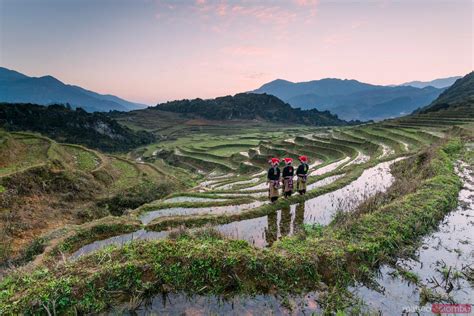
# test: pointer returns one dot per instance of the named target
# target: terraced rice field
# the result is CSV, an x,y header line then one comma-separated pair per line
x,y
349,166
29,152
82,158
21,151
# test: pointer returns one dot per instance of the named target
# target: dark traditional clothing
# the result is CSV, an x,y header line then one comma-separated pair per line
x,y
288,173
302,174
273,178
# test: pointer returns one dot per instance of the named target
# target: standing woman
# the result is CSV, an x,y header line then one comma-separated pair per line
x,y
273,179
288,173
302,174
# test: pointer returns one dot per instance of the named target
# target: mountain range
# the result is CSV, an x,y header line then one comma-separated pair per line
x,y
352,99
349,99
16,87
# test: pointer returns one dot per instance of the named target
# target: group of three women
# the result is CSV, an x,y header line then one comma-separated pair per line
x,y
275,176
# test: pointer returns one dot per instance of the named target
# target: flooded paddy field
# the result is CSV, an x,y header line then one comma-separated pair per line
x,y
265,230
231,221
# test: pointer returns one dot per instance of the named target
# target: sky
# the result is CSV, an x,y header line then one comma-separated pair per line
x,y
152,51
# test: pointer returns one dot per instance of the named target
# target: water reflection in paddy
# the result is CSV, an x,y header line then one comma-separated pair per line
x,y
323,208
181,304
230,185
147,217
264,231
119,241
178,199
323,182
330,167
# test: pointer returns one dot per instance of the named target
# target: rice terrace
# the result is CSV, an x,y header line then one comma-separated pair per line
x,y
325,197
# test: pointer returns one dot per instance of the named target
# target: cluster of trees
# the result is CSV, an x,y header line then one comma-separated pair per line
x,y
251,106
62,123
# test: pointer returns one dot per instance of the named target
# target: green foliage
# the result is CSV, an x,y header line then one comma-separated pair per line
x,y
250,106
95,130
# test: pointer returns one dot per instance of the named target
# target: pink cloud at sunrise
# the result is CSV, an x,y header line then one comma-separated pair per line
x,y
152,51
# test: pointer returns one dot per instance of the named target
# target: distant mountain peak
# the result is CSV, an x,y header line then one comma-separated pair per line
x,y
19,88
436,83
8,74
50,79
350,98
280,81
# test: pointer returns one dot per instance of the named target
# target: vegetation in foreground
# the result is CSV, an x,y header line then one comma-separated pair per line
x,y
207,263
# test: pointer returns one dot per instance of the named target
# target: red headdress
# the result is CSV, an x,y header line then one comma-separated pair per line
x,y
274,161
303,158
288,160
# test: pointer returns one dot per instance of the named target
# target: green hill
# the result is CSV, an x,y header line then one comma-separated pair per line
x,y
460,94
251,106
63,124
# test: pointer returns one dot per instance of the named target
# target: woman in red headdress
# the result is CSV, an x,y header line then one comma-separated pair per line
x,y
273,179
288,173
302,174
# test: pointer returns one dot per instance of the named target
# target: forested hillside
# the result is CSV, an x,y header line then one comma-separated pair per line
x,y
461,93
250,106
63,124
